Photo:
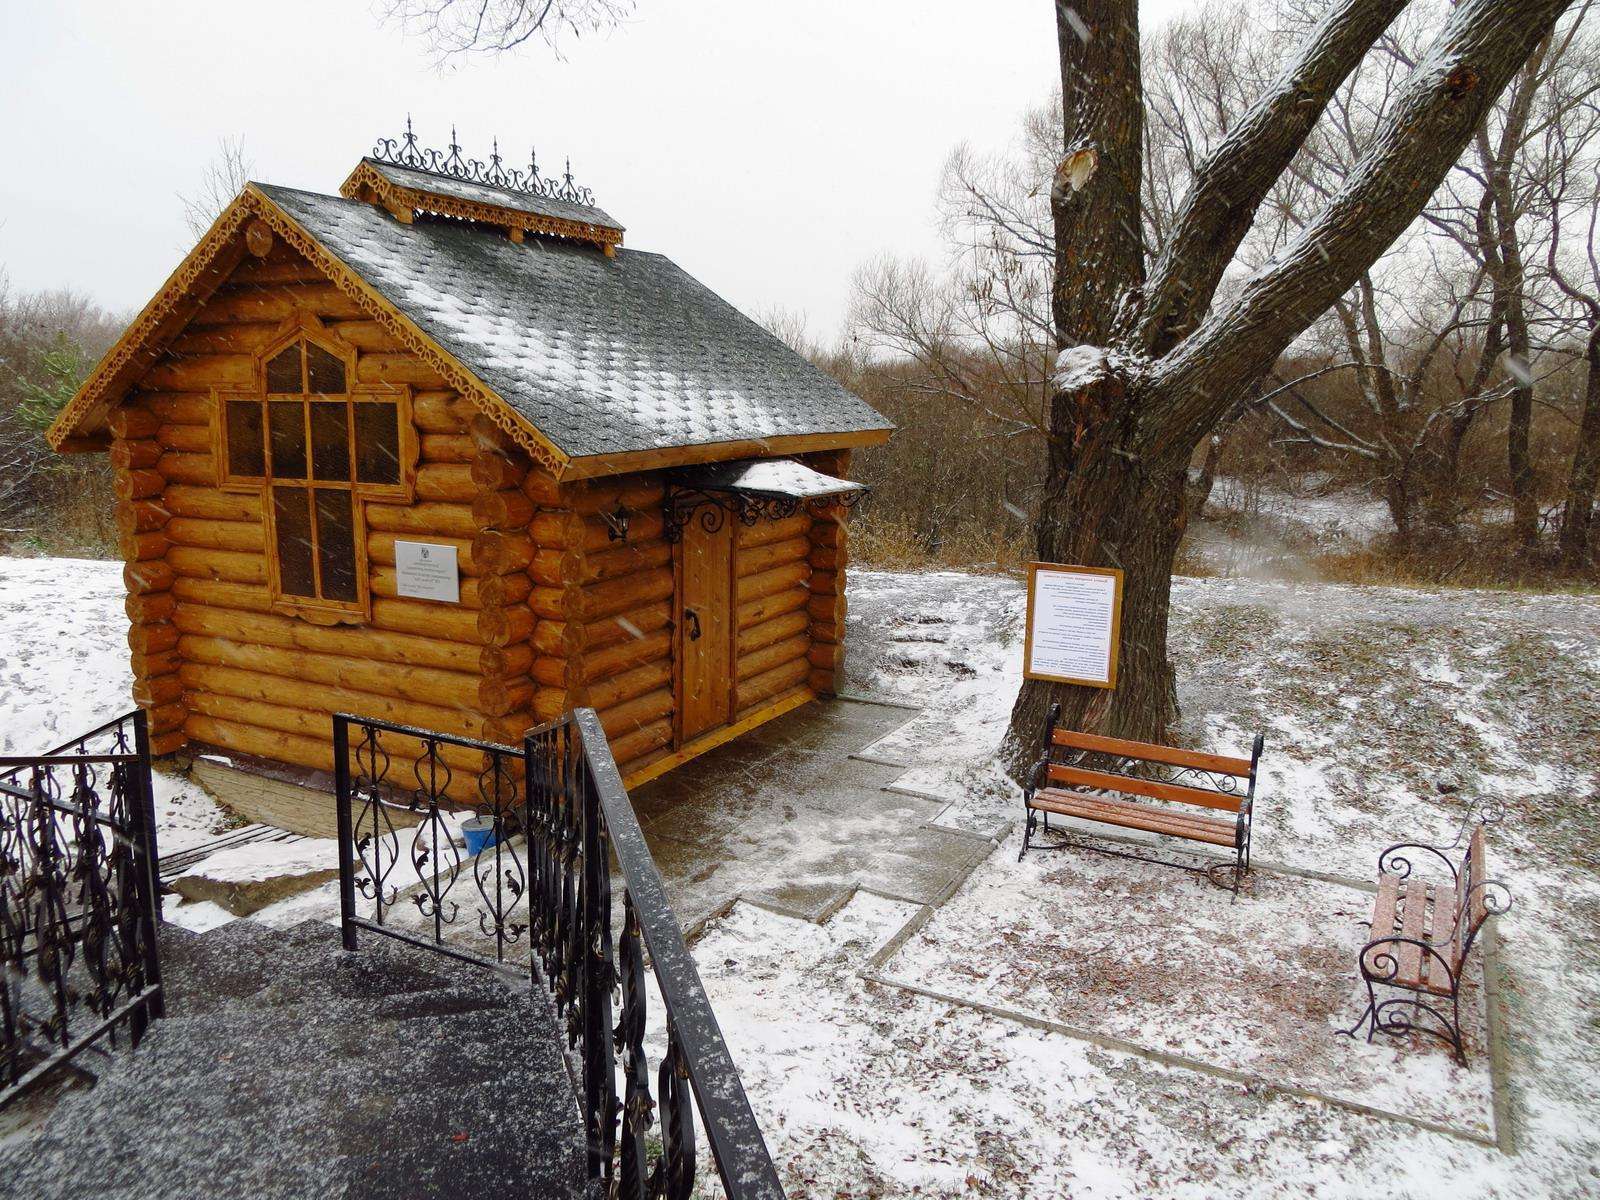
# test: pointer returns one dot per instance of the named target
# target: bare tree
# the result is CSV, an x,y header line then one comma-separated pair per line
x,y
455,27
223,179
1579,281
48,342
1151,356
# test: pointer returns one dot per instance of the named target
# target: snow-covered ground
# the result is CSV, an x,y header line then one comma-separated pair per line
x,y
1385,711
1371,700
1266,532
64,670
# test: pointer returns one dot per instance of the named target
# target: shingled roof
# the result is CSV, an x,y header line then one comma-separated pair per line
x,y
601,355
604,359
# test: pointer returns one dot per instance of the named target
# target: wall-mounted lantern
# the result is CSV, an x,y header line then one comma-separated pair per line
x,y
616,523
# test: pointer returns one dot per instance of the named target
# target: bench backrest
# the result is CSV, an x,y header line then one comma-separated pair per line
x,y
1184,776
1471,894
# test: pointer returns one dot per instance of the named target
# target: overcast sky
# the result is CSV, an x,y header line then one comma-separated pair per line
x,y
768,148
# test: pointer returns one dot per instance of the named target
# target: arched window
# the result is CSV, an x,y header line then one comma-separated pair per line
x,y
315,447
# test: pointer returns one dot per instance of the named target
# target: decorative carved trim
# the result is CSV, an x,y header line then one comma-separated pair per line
x,y
713,506
100,386
365,180
135,340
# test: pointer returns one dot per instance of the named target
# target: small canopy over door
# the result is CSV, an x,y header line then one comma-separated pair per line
x,y
766,479
699,507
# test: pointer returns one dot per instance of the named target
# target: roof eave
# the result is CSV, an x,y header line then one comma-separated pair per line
x,y
594,466
77,427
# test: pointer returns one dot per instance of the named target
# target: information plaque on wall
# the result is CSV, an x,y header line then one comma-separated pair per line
x,y
426,571
1074,624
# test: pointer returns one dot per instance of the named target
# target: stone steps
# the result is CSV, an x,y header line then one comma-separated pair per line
x,y
287,1067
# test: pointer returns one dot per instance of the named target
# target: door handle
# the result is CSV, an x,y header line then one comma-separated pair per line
x,y
692,618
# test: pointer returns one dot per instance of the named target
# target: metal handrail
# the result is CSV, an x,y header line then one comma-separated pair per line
x,y
567,814
737,1145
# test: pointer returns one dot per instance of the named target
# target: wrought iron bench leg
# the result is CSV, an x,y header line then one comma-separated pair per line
x,y
1425,1009
1369,1016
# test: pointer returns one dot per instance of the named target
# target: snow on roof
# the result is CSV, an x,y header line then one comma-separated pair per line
x,y
766,477
602,355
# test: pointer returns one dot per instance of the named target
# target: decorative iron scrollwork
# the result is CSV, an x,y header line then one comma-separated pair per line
x,y
405,152
562,793
711,507
78,901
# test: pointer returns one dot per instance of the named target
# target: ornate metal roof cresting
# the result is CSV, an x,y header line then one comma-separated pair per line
x,y
405,152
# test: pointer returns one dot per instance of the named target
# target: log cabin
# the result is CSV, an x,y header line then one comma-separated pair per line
x,y
439,450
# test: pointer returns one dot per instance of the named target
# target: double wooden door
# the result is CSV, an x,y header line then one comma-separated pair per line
x,y
705,628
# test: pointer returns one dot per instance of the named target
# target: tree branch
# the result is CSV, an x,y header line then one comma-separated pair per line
x,y
1231,184
1482,45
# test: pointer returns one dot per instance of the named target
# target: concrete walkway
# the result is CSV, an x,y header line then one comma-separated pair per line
x,y
785,818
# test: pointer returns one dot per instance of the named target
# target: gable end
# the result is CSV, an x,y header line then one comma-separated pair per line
x,y
206,268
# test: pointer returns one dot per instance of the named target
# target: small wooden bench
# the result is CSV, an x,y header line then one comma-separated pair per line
x,y
1422,933
1192,788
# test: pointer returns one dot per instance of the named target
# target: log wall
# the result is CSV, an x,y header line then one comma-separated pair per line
x,y
826,606
554,613
772,638
603,636
212,661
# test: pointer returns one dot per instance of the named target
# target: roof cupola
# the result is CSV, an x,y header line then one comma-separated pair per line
x,y
409,180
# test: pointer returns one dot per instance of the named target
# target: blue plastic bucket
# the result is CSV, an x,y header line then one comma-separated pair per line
x,y
479,832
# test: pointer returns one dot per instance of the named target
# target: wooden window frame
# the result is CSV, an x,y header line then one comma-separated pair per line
x,y
314,609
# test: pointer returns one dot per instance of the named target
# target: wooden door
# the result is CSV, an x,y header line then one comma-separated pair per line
x,y
705,629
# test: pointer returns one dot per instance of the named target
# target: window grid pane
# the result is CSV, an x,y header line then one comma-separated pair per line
x,y
283,371
324,372
336,544
246,455
292,521
286,427
330,440
377,442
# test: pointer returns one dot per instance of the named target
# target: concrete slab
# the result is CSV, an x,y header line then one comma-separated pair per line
x,y
786,818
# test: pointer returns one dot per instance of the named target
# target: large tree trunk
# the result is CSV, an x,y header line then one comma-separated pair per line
x,y
1090,498
1511,284
1444,475
1519,459
1101,508
1578,511
1122,434
1402,504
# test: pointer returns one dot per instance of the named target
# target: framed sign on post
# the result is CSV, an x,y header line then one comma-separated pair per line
x,y
1074,624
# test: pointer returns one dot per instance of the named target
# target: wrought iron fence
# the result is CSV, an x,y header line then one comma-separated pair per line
x,y
78,900
557,816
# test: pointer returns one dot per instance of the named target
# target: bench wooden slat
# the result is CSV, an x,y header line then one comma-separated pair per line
x,y
1476,873
1442,937
1414,900
1171,756
1155,789
1176,818
1130,815
1383,910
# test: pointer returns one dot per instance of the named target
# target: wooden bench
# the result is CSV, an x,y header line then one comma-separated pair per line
x,y
1191,788
1422,932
